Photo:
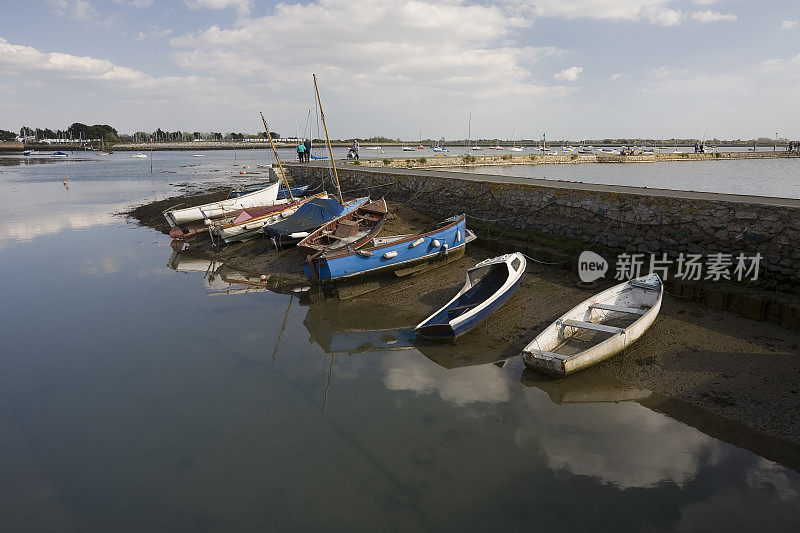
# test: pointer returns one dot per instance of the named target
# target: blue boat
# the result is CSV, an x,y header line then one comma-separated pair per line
x,y
489,284
390,253
309,217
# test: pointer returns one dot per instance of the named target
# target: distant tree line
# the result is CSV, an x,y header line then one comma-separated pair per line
x,y
76,131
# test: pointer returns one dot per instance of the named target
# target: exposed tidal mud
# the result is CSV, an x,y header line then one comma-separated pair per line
x,y
737,369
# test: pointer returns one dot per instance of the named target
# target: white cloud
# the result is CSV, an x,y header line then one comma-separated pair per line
x,y
788,24
19,59
81,10
154,33
784,67
568,74
654,11
242,6
705,2
134,3
374,45
713,16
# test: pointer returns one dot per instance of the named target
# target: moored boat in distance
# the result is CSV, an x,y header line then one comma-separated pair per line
x,y
398,253
348,232
597,328
489,284
407,148
139,156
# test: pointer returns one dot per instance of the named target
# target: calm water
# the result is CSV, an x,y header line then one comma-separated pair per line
x,y
764,177
139,397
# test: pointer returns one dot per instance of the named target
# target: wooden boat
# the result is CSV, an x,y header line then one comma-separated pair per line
x,y
262,197
391,254
597,328
308,218
489,284
250,223
348,232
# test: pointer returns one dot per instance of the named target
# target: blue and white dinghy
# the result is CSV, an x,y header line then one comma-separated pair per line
x,y
393,253
597,328
489,284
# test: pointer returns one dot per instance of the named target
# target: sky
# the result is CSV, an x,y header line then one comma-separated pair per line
x,y
407,68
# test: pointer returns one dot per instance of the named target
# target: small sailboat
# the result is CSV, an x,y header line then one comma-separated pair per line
x,y
396,253
251,222
60,154
597,328
408,148
263,197
348,232
139,156
489,284
198,155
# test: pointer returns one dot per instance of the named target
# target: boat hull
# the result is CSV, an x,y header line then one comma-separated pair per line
x,y
253,227
561,367
264,197
436,328
286,233
356,264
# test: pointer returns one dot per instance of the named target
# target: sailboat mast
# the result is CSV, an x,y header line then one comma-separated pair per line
x,y
328,140
275,151
469,132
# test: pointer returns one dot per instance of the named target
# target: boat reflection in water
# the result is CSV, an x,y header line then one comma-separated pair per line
x,y
352,328
224,279
586,387
344,327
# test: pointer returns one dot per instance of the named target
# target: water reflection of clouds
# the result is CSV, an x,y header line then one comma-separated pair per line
x,y
107,264
623,444
409,371
770,492
39,223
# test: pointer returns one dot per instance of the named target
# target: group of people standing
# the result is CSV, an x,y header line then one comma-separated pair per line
x,y
304,151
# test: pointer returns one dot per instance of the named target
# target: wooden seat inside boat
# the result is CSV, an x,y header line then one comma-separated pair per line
x,y
346,228
618,309
549,355
592,326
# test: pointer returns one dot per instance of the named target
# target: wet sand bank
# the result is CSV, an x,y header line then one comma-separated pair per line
x,y
737,369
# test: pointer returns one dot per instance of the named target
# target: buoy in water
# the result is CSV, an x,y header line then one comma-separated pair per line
x,y
241,172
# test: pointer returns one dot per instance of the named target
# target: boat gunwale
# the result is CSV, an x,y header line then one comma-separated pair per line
x,y
514,276
297,204
528,351
350,247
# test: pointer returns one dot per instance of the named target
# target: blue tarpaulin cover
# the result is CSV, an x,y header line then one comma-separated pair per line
x,y
308,217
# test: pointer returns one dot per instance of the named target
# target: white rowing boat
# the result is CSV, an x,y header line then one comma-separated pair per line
x,y
597,328
262,197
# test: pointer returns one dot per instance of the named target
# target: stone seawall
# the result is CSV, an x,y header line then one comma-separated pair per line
x,y
630,219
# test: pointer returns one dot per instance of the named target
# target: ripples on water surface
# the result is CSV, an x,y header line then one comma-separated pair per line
x,y
139,397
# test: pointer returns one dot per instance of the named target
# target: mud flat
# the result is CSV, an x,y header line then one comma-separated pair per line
x,y
736,369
